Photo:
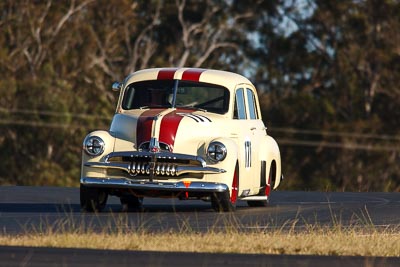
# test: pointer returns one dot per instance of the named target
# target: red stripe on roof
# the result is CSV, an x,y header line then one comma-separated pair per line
x,y
192,74
166,74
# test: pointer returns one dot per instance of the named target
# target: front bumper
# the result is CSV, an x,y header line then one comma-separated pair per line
x,y
151,186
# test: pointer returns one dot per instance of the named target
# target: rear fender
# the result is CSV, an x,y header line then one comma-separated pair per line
x,y
269,152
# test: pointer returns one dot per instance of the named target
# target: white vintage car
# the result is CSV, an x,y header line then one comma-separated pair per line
x,y
186,133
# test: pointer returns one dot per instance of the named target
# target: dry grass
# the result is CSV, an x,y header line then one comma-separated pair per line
x,y
360,239
313,240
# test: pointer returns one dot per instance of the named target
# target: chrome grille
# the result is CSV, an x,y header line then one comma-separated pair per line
x,y
160,164
150,164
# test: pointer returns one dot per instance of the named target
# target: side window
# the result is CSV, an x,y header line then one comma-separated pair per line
x,y
240,110
252,105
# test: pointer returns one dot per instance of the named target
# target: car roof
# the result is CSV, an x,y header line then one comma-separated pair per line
x,y
224,78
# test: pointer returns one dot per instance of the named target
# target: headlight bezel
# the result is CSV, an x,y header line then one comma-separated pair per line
x,y
216,151
93,145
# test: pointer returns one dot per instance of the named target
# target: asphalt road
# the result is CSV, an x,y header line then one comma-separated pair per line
x,y
25,209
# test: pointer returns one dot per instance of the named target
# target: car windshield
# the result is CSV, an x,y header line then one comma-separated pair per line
x,y
176,93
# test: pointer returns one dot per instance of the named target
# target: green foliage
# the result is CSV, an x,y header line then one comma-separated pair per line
x,y
327,74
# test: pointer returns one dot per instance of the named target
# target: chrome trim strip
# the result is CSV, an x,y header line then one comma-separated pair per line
x,y
255,198
111,165
147,185
247,149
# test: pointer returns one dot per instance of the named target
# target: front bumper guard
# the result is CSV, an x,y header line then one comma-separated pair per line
x,y
125,183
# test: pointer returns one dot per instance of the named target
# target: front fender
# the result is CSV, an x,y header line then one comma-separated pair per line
x,y
109,142
229,163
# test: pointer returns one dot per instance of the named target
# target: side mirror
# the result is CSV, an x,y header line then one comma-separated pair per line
x,y
116,86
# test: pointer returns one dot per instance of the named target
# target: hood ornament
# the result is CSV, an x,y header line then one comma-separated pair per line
x,y
154,145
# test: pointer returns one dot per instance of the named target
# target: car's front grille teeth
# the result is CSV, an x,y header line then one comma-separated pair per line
x,y
159,168
145,165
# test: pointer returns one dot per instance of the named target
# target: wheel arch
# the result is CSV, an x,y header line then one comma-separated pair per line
x,y
270,153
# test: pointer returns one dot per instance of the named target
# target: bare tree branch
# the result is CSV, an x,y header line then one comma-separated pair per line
x,y
212,49
101,61
144,42
151,48
71,11
202,39
36,49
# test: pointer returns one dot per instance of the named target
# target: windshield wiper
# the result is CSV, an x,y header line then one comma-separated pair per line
x,y
155,106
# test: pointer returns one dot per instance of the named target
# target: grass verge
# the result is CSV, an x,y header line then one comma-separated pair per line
x,y
337,240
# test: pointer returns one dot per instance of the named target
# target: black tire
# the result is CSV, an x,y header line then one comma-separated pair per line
x,y
93,199
131,203
222,202
257,203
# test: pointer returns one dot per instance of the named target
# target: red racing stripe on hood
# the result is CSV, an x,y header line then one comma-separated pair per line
x,y
144,125
169,126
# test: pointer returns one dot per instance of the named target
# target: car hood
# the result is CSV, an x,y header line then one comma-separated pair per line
x,y
167,125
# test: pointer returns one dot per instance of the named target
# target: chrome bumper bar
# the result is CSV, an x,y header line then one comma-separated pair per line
x,y
126,183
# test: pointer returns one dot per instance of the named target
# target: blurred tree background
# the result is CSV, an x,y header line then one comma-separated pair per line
x,y
327,72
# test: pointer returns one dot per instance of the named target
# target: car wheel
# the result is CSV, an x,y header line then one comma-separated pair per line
x,y
257,203
131,203
225,202
92,198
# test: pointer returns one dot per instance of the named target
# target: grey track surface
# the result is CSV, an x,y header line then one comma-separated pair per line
x,y
26,209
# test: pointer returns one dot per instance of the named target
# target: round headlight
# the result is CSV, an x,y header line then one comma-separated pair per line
x,y
216,151
93,145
